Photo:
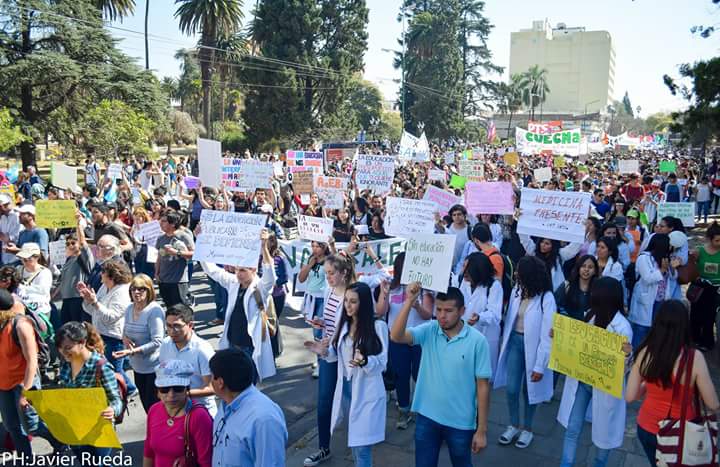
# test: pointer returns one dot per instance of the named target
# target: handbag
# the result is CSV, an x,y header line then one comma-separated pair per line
x,y
689,272
694,292
268,315
683,442
188,458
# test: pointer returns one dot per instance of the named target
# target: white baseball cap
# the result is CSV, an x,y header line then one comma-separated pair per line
x,y
27,209
173,373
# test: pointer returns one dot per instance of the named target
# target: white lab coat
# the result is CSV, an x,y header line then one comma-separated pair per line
x,y
262,352
613,269
368,406
643,297
538,322
488,306
608,412
565,253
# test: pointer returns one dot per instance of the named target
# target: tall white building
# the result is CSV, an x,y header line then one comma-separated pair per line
x,y
580,65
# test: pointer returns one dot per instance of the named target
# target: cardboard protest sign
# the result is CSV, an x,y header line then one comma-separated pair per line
x,y
442,199
628,166
55,214
331,190
318,229
436,174
668,166
375,172
302,182
472,170
543,174
558,215
246,174
588,353
230,238
683,211
298,161
63,176
561,142
511,158
456,181
489,198
209,162
57,253
405,217
428,260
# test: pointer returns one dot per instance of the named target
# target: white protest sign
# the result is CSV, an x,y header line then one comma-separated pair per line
x,y
543,174
210,161
443,200
136,195
428,260
558,215
231,238
362,229
57,253
414,148
375,172
149,233
63,176
246,174
450,158
628,166
472,169
436,174
318,229
405,217
331,190
114,171
683,211
278,168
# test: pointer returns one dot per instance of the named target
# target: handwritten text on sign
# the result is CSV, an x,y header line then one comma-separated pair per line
x,y
375,172
472,170
331,190
246,174
428,259
683,211
229,238
588,353
319,229
56,214
558,215
405,217
489,198
443,199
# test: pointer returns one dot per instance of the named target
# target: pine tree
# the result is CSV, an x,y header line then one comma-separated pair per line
x,y
627,105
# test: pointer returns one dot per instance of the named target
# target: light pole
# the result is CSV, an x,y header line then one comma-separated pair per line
x,y
585,113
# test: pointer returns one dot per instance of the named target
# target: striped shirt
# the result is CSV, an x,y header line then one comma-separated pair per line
x,y
332,305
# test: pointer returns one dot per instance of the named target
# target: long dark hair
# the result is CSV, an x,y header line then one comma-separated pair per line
x,y
659,247
397,270
611,245
619,237
533,277
606,299
572,297
668,336
366,339
550,258
480,270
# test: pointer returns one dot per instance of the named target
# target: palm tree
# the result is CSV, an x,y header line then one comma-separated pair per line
x,y
511,98
189,84
115,9
233,48
209,18
534,88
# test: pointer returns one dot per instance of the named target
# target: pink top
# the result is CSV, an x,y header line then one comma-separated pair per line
x,y
164,444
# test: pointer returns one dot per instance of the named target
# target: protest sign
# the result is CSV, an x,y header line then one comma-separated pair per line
x,y
542,174
230,238
298,161
278,169
471,170
558,215
331,190
246,174
414,148
436,174
209,161
628,166
511,158
302,182
55,214
405,217
337,155
362,229
428,259
191,183
72,416
149,233
683,211
668,166
136,195
489,198
443,199
561,142
57,253
10,191
450,158
375,172
457,181
559,162
63,176
588,353
318,229
477,154
114,171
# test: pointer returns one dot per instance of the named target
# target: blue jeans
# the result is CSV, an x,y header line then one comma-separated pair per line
x,y
361,454
326,391
20,422
583,396
404,362
221,299
703,208
318,308
639,333
429,436
113,345
517,381
649,444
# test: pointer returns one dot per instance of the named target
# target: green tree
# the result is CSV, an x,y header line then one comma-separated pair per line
x,y
189,83
534,88
511,101
659,122
177,127
627,105
212,19
365,101
115,9
10,134
114,127
390,126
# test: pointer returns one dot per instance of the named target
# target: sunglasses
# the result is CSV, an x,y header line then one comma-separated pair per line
x,y
138,289
175,389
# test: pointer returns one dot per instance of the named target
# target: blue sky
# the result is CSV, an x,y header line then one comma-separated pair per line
x,y
651,37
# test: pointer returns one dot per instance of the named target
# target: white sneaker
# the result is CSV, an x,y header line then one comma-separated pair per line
x,y
316,372
524,439
508,435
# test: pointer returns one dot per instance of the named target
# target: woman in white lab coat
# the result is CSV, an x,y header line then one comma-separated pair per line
x,y
360,347
606,253
608,412
550,252
525,350
483,301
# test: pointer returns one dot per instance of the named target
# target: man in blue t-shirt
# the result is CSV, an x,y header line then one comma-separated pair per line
x,y
452,391
601,206
31,233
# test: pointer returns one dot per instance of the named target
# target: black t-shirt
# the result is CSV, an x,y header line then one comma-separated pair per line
x,y
238,329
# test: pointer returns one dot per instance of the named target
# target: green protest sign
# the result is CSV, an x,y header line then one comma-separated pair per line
x,y
456,181
668,166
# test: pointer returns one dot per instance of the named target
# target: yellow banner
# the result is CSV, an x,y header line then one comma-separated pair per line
x,y
511,158
73,416
55,214
589,354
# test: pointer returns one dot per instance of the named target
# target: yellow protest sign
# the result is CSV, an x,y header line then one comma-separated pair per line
x,y
55,214
588,353
73,416
559,161
511,158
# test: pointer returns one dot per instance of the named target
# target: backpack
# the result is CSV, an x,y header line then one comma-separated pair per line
x,y
508,276
122,388
44,334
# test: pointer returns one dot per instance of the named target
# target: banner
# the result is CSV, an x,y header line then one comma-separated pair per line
x,y
489,198
298,160
472,170
558,215
414,148
443,199
63,176
561,142
545,128
318,229
588,353
209,162
375,172
55,214
331,190
246,174
407,217
628,166
428,260
230,238
683,211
